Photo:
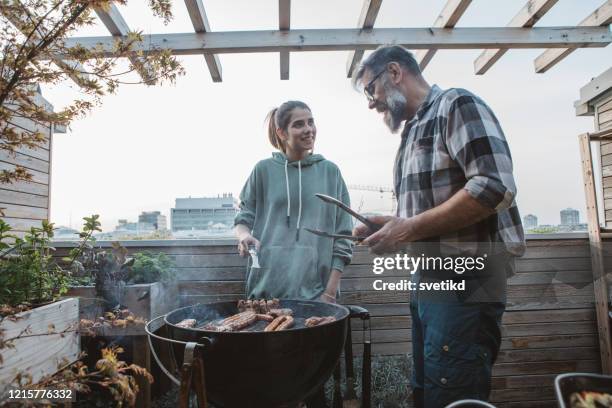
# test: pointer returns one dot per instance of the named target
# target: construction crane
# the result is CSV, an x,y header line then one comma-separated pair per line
x,y
379,189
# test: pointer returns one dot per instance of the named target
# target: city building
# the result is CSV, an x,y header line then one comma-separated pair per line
x,y
530,221
570,217
134,227
65,234
214,214
154,218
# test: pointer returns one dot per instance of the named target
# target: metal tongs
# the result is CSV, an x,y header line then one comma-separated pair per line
x,y
254,256
331,200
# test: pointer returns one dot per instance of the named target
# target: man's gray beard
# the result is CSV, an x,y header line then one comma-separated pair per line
x,y
396,105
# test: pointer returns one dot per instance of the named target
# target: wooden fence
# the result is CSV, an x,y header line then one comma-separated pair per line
x,y
549,328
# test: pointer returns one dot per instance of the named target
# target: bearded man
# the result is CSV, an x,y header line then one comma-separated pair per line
x,y
455,189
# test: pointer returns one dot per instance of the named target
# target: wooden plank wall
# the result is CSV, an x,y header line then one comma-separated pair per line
x,y
604,113
603,121
26,204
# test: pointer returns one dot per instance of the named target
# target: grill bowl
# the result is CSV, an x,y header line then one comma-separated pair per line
x,y
263,369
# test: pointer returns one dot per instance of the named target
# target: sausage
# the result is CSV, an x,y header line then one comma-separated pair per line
x,y
243,322
265,317
273,304
275,323
281,312
237,316
215,328
313,321
186,323
317,321
286,324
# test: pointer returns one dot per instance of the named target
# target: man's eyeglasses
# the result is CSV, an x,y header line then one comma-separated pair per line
x,y
368,90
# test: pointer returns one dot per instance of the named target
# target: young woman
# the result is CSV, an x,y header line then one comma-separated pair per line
x,y
278,201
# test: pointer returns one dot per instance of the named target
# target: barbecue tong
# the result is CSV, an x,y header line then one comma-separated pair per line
x,y
331,200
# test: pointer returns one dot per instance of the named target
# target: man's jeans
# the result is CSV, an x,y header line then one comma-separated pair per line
x,y
455,340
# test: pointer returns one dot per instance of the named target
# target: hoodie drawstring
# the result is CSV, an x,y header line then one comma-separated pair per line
x,y
289,197
300,199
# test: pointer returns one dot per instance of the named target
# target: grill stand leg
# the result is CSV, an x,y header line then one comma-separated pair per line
x,y
200,386
192,377
366,381
366,371
337,387
351,400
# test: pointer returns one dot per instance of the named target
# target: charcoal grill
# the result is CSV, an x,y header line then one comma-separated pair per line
x,y
254,368
569,383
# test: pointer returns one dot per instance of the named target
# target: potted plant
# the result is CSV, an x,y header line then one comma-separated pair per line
x,y
118,295
32,314
110,279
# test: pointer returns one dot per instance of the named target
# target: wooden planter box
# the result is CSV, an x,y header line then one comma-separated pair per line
x,y
40,354
146,300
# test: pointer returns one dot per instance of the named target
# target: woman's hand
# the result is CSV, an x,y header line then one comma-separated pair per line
x,y
329,296
244,243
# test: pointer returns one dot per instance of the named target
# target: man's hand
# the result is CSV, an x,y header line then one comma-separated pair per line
x,y
395,231
362,230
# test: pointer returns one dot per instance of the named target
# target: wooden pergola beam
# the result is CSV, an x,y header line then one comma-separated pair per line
x,y
369,12
354,39
600,281
549,58
533,11
284,23
79,78
198,17
116,25
448,18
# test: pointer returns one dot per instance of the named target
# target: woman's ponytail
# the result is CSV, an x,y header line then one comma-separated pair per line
x,y
274,139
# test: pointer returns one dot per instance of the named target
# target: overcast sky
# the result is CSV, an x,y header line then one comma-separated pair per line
x,y
147,146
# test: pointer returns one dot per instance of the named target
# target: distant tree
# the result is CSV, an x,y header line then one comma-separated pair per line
x,y
33,29
543,230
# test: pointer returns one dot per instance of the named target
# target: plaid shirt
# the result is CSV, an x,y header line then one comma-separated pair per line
x,y
455,142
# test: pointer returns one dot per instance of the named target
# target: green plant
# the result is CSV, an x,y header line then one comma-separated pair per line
x,y
151,267
28,272
82,255
107,269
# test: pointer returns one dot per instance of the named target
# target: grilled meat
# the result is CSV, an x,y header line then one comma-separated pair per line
x,y
281,312
275,323
317,321
286,324
186,323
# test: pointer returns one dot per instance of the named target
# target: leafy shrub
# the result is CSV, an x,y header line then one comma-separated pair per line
x,y
28,272
107,269
151,267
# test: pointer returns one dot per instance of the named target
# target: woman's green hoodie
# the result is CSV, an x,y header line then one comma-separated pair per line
x,y
276,203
